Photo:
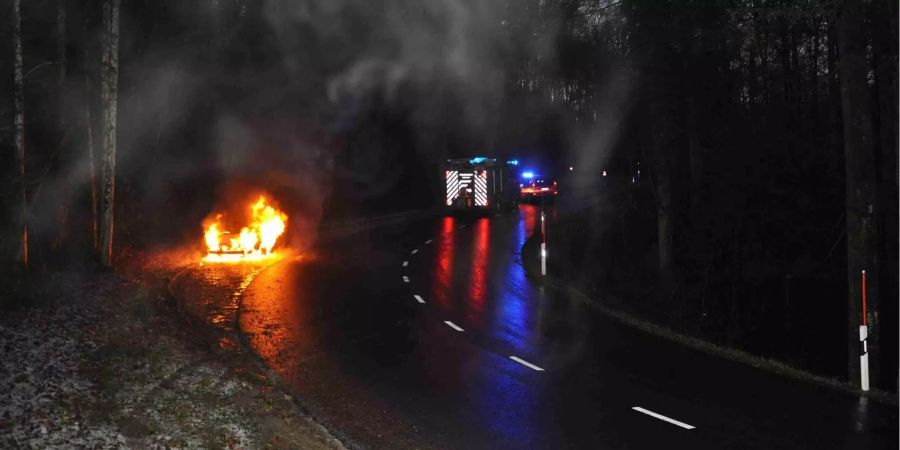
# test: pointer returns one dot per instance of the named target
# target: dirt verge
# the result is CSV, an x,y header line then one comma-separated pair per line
x,y
108,361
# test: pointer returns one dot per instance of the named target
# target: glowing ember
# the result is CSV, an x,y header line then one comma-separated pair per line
x,y
253,243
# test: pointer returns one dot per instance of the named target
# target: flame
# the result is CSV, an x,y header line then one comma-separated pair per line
x,y
253,243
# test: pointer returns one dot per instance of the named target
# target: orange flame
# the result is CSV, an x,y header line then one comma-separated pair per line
x,y
253,243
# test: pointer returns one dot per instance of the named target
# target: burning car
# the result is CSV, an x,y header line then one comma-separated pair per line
x,y
255,241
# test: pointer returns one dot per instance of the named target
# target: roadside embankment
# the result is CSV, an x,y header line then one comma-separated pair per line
x,y
631,304
107,361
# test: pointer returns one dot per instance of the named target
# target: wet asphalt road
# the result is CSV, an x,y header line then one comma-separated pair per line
x,y
372,362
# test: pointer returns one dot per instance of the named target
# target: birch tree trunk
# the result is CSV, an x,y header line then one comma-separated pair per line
x,y
861,176
92,160
109,83
19,125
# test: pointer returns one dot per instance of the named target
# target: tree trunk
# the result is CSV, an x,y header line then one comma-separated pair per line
x,y
109,83
19,125
61,48
92,160
662,147
861,175
63,207
883,16
665,149
835,123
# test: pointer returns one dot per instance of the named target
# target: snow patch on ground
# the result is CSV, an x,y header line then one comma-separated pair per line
x,y
99,367
40,383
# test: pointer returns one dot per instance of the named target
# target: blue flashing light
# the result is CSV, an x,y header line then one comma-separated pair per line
x,y
513,162
477,160
528,175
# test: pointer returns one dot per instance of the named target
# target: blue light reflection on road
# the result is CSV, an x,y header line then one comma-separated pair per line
x,y
505,398
514,290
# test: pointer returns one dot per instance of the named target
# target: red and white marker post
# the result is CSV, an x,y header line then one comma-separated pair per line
x,y
863,341
543,245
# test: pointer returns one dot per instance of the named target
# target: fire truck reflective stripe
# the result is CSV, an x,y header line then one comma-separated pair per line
x,y
456,183
452,186
481,189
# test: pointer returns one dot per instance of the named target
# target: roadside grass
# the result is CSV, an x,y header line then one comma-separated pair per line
x,y
730,353
530,263
105,362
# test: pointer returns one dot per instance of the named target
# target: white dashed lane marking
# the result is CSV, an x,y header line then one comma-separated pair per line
x,y
453,325
662,417
526,363
520,360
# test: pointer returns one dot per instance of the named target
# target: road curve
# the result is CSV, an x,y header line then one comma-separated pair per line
x,y
429,335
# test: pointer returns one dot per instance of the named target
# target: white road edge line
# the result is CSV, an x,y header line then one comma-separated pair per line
x,y
405,263
662,417
419,298
414,252
405,279
453,325
526,363
428,241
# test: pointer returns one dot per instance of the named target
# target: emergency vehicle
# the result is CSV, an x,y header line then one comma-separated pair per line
x,y
480,183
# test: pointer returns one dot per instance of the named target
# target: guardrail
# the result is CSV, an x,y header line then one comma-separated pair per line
x,y
334,229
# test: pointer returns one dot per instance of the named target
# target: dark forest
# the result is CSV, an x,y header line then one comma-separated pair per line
x,y
751,146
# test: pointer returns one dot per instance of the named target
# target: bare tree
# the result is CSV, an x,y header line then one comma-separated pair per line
x,y
19,123
109,95
92,160
61,48
62,207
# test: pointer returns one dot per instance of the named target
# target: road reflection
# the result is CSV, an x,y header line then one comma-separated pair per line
x,y
273,317
341,345
514,291
443,267
505,401
478,277
478,280
528,219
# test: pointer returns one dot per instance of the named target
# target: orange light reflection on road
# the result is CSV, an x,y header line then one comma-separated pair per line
x,y
276,318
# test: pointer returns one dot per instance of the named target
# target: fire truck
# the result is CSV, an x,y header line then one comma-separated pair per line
x,y
480,183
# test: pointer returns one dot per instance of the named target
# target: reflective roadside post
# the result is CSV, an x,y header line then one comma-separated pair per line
x,y
543,244
863,341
